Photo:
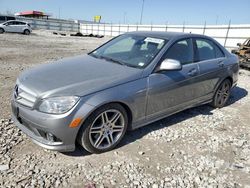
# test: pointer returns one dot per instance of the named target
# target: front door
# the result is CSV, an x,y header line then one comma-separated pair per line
x,y
10,27
172,90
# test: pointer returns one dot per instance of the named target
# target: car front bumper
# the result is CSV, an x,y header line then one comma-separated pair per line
x,y
38,125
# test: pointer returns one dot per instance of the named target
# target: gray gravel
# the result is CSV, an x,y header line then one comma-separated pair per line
x,y
200,147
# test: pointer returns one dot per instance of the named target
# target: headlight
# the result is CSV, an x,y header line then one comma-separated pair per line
x,y
58,105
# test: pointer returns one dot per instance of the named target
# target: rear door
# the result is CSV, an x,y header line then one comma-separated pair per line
x,y
20,26
210,59
170,91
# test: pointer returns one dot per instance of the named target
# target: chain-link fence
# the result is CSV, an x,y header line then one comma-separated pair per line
x,y
228,35
52,24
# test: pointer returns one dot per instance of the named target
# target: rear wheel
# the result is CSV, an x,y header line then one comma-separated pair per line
x,y
26,32
1,30
222,94
104,128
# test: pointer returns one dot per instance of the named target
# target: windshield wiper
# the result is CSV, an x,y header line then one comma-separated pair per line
x,y
113,60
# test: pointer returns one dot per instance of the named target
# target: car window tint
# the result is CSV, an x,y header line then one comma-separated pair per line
x,y
181,51
218,52
206,50
21,23
10,23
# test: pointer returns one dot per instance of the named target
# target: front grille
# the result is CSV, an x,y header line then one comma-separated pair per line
x,y
24,97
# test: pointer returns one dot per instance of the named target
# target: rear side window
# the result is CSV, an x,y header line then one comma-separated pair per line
x,y
206,49
181,51
21,23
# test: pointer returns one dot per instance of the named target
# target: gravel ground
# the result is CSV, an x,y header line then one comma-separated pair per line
x,y
200,147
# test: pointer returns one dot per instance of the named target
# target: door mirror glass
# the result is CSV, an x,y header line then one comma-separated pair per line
x,y
170,64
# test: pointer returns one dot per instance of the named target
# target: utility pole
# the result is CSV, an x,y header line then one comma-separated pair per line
x,y
59,12
142,11
217,18
124,17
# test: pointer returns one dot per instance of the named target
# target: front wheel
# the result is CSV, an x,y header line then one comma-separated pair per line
x,y
1,30
103,129
222,94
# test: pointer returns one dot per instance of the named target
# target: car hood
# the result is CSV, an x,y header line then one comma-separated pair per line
x,y
81,75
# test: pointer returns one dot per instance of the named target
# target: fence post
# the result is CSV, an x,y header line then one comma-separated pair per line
x,y
119,28
151,26
104,29
183,28
128,28
98,28
136,26
47,25
229,24
111,30
204,28
166,26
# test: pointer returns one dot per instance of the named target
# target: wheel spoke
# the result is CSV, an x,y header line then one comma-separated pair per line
x,y
226,88
110,139
225,94
118,130
96,129
104,117
99,140
115,117
219,98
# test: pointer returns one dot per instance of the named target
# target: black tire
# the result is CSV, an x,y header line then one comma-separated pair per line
x,y
1,30
26,32
85,136
222,94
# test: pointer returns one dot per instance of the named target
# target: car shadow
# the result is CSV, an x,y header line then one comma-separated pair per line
x,y
131,136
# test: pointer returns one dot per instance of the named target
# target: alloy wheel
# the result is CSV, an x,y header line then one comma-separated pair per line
x,y
106,129
223,93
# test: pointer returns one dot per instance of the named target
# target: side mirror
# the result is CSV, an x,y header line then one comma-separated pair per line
x,y
238,44
170,64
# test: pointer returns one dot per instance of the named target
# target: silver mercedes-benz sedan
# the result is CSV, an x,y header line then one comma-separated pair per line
x,y
128,82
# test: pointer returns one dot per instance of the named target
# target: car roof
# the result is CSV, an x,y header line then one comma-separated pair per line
x,y
165,35
15,21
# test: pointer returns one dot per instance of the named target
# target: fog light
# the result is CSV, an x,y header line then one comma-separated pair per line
x,y
50,137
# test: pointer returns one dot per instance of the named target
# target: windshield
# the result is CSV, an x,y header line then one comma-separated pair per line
x,y
130,50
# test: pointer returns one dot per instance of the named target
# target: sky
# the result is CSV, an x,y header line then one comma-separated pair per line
x,y
129,11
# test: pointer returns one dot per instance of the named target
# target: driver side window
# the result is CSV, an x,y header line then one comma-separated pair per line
x,y
9,23
181,51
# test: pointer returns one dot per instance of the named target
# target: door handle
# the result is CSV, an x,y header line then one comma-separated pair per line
x,y
192,72
221,64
